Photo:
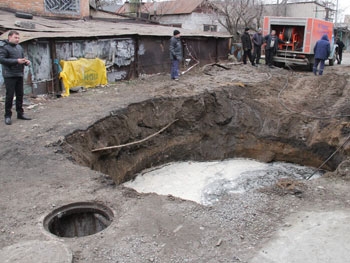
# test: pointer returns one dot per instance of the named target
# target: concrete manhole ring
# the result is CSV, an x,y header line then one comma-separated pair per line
x,y
35,251
78,219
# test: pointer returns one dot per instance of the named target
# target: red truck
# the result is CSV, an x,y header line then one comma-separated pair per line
x,y
300,36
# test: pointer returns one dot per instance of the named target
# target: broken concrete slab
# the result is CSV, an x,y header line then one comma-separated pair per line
x,y
310,237
35,251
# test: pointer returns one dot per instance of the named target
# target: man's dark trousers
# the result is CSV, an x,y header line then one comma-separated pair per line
x,y
269,53
257,54
14,86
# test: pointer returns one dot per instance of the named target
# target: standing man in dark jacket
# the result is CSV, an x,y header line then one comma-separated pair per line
x,y
13,62
340,46
257,41
322,50
271,47
175,54
247,47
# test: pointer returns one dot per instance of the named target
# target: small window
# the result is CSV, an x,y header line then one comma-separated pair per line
x,y
62,6
175,25
210,28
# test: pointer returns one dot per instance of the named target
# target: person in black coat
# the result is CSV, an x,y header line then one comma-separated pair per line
x,y
13,62
247,47
257,41
175,49
339,50
322,51
271,47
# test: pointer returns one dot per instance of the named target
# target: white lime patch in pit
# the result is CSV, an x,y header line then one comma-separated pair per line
x,y
205,182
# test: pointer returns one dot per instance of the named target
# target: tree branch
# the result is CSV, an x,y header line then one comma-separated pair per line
x,y
136,142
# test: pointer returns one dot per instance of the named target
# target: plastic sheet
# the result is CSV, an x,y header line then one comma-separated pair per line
x,y
83,72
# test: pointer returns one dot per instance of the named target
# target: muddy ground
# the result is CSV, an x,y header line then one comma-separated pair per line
x,y
37,175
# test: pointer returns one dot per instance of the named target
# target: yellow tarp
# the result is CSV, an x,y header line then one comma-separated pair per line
x,y
82,72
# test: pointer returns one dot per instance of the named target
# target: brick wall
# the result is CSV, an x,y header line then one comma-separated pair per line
x,y
40,8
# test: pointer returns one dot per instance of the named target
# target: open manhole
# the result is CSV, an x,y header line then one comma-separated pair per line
x,y
78,219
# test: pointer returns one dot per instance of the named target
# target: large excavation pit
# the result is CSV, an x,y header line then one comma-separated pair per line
x,y
216,125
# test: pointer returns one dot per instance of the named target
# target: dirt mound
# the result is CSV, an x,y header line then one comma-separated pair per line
x,y
342,171
286,186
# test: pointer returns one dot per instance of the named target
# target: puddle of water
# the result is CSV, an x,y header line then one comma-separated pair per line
x,y
205,182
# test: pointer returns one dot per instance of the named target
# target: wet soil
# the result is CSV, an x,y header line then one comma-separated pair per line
x,y
268,114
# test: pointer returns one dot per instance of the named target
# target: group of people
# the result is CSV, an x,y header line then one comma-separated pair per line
x,y
321,49
257,41
271,42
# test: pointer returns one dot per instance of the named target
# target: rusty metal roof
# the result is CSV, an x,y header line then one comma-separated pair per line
x,y
166,8
49,28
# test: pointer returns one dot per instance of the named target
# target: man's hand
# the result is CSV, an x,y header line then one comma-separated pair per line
x,y
23,61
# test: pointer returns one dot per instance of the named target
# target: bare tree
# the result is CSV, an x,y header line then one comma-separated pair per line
x,y
158,9
279,8
135,7
235,15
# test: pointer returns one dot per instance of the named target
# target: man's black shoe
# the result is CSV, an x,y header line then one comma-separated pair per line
x,y
8,121
23,117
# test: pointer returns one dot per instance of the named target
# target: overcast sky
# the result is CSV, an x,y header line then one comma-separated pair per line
x,y
344,5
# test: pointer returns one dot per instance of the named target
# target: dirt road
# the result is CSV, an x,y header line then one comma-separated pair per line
x,y
36,176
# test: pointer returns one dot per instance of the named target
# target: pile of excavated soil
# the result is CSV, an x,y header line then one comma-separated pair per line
x,y
37,175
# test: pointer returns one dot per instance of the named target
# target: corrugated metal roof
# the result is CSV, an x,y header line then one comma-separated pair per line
x,y
177,7
165,8
111,7
49,28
